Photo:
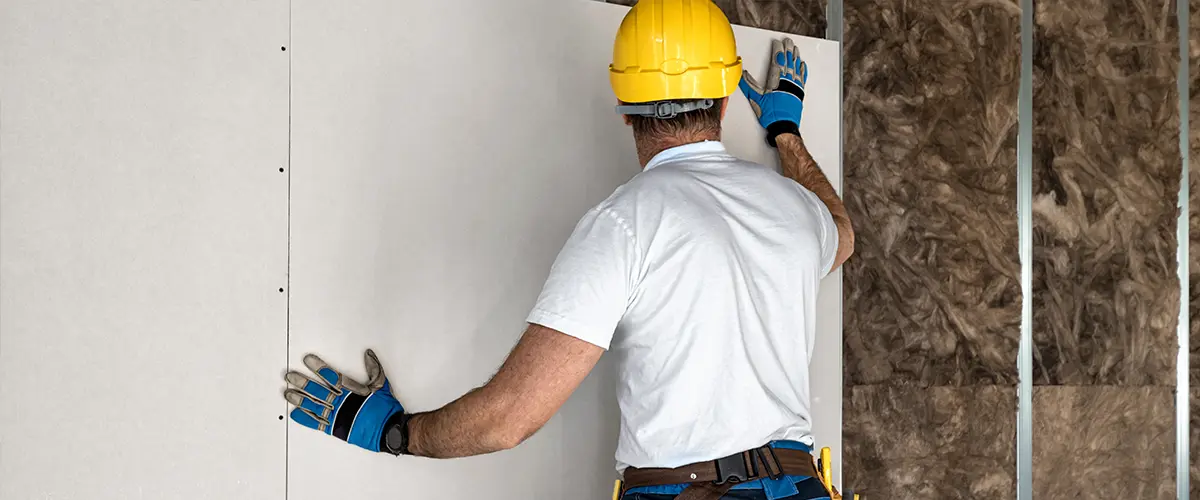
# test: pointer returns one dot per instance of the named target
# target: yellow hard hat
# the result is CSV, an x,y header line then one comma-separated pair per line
x,y
674,49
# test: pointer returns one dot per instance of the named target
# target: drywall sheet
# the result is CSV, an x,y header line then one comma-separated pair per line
x,y
143,245
441,154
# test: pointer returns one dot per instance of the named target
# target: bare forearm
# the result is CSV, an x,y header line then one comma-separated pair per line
x,y
471,425
797,164
533,383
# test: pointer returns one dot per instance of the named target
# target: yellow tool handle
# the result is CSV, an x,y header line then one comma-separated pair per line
x,y
826,469
617,490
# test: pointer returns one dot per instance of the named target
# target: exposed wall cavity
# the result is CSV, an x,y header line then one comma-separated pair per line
x,y
801,17
930,442
932,293
1195,448
1194,279
932,299
1106,178
1106,166
1103,442
1194,186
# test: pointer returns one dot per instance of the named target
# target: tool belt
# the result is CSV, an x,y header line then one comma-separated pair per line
x,y
712,479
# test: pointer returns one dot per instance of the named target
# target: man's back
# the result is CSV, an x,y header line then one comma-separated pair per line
x,y
718,262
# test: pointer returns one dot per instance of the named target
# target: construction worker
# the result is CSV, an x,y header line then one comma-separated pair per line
x,y
700,275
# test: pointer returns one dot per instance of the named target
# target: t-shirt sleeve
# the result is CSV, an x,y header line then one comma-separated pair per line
x,y
829,238
588,289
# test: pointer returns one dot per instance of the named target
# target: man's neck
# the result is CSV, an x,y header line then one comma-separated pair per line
x,y
648,148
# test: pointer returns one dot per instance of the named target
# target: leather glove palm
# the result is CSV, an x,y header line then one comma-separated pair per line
x,y
780,103
342,407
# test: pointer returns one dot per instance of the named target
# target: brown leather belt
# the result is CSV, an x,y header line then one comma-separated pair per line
x,y
712,479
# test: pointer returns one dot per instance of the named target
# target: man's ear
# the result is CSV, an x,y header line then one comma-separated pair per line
x,y
724,106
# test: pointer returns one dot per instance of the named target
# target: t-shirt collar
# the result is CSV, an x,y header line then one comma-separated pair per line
x,y
686,151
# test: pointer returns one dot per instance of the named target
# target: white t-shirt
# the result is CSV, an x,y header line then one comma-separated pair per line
x,y
700,275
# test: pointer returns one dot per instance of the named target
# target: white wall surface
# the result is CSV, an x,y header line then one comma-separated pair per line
x,y
143,240
442,152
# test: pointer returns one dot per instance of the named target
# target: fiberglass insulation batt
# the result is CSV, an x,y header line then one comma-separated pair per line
x,y
932,297
1106,165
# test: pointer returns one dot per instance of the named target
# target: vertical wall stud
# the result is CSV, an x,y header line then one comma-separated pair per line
x,y
833,17
1182,389
1025,235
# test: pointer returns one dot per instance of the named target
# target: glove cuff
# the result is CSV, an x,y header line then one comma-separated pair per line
x,y
395,434
781,127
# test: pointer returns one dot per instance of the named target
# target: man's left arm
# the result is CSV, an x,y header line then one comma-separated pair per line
x,y
539,375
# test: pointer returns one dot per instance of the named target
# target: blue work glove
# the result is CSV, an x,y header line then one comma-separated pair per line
x,y
780,103
337,405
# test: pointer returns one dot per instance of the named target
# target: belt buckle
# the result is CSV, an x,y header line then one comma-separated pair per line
x,y
767,465
732,469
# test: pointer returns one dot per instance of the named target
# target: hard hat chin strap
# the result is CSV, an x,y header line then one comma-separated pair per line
x,y
665,109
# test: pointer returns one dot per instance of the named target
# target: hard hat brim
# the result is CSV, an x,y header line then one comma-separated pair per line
x,y
697,83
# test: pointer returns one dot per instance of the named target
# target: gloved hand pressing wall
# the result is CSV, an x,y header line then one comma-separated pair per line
x,y
780,103
347,409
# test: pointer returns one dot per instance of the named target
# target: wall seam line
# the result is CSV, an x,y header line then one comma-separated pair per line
x,y
288,272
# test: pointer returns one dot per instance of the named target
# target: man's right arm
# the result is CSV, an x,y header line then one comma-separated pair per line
x,y
798,165
778,105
